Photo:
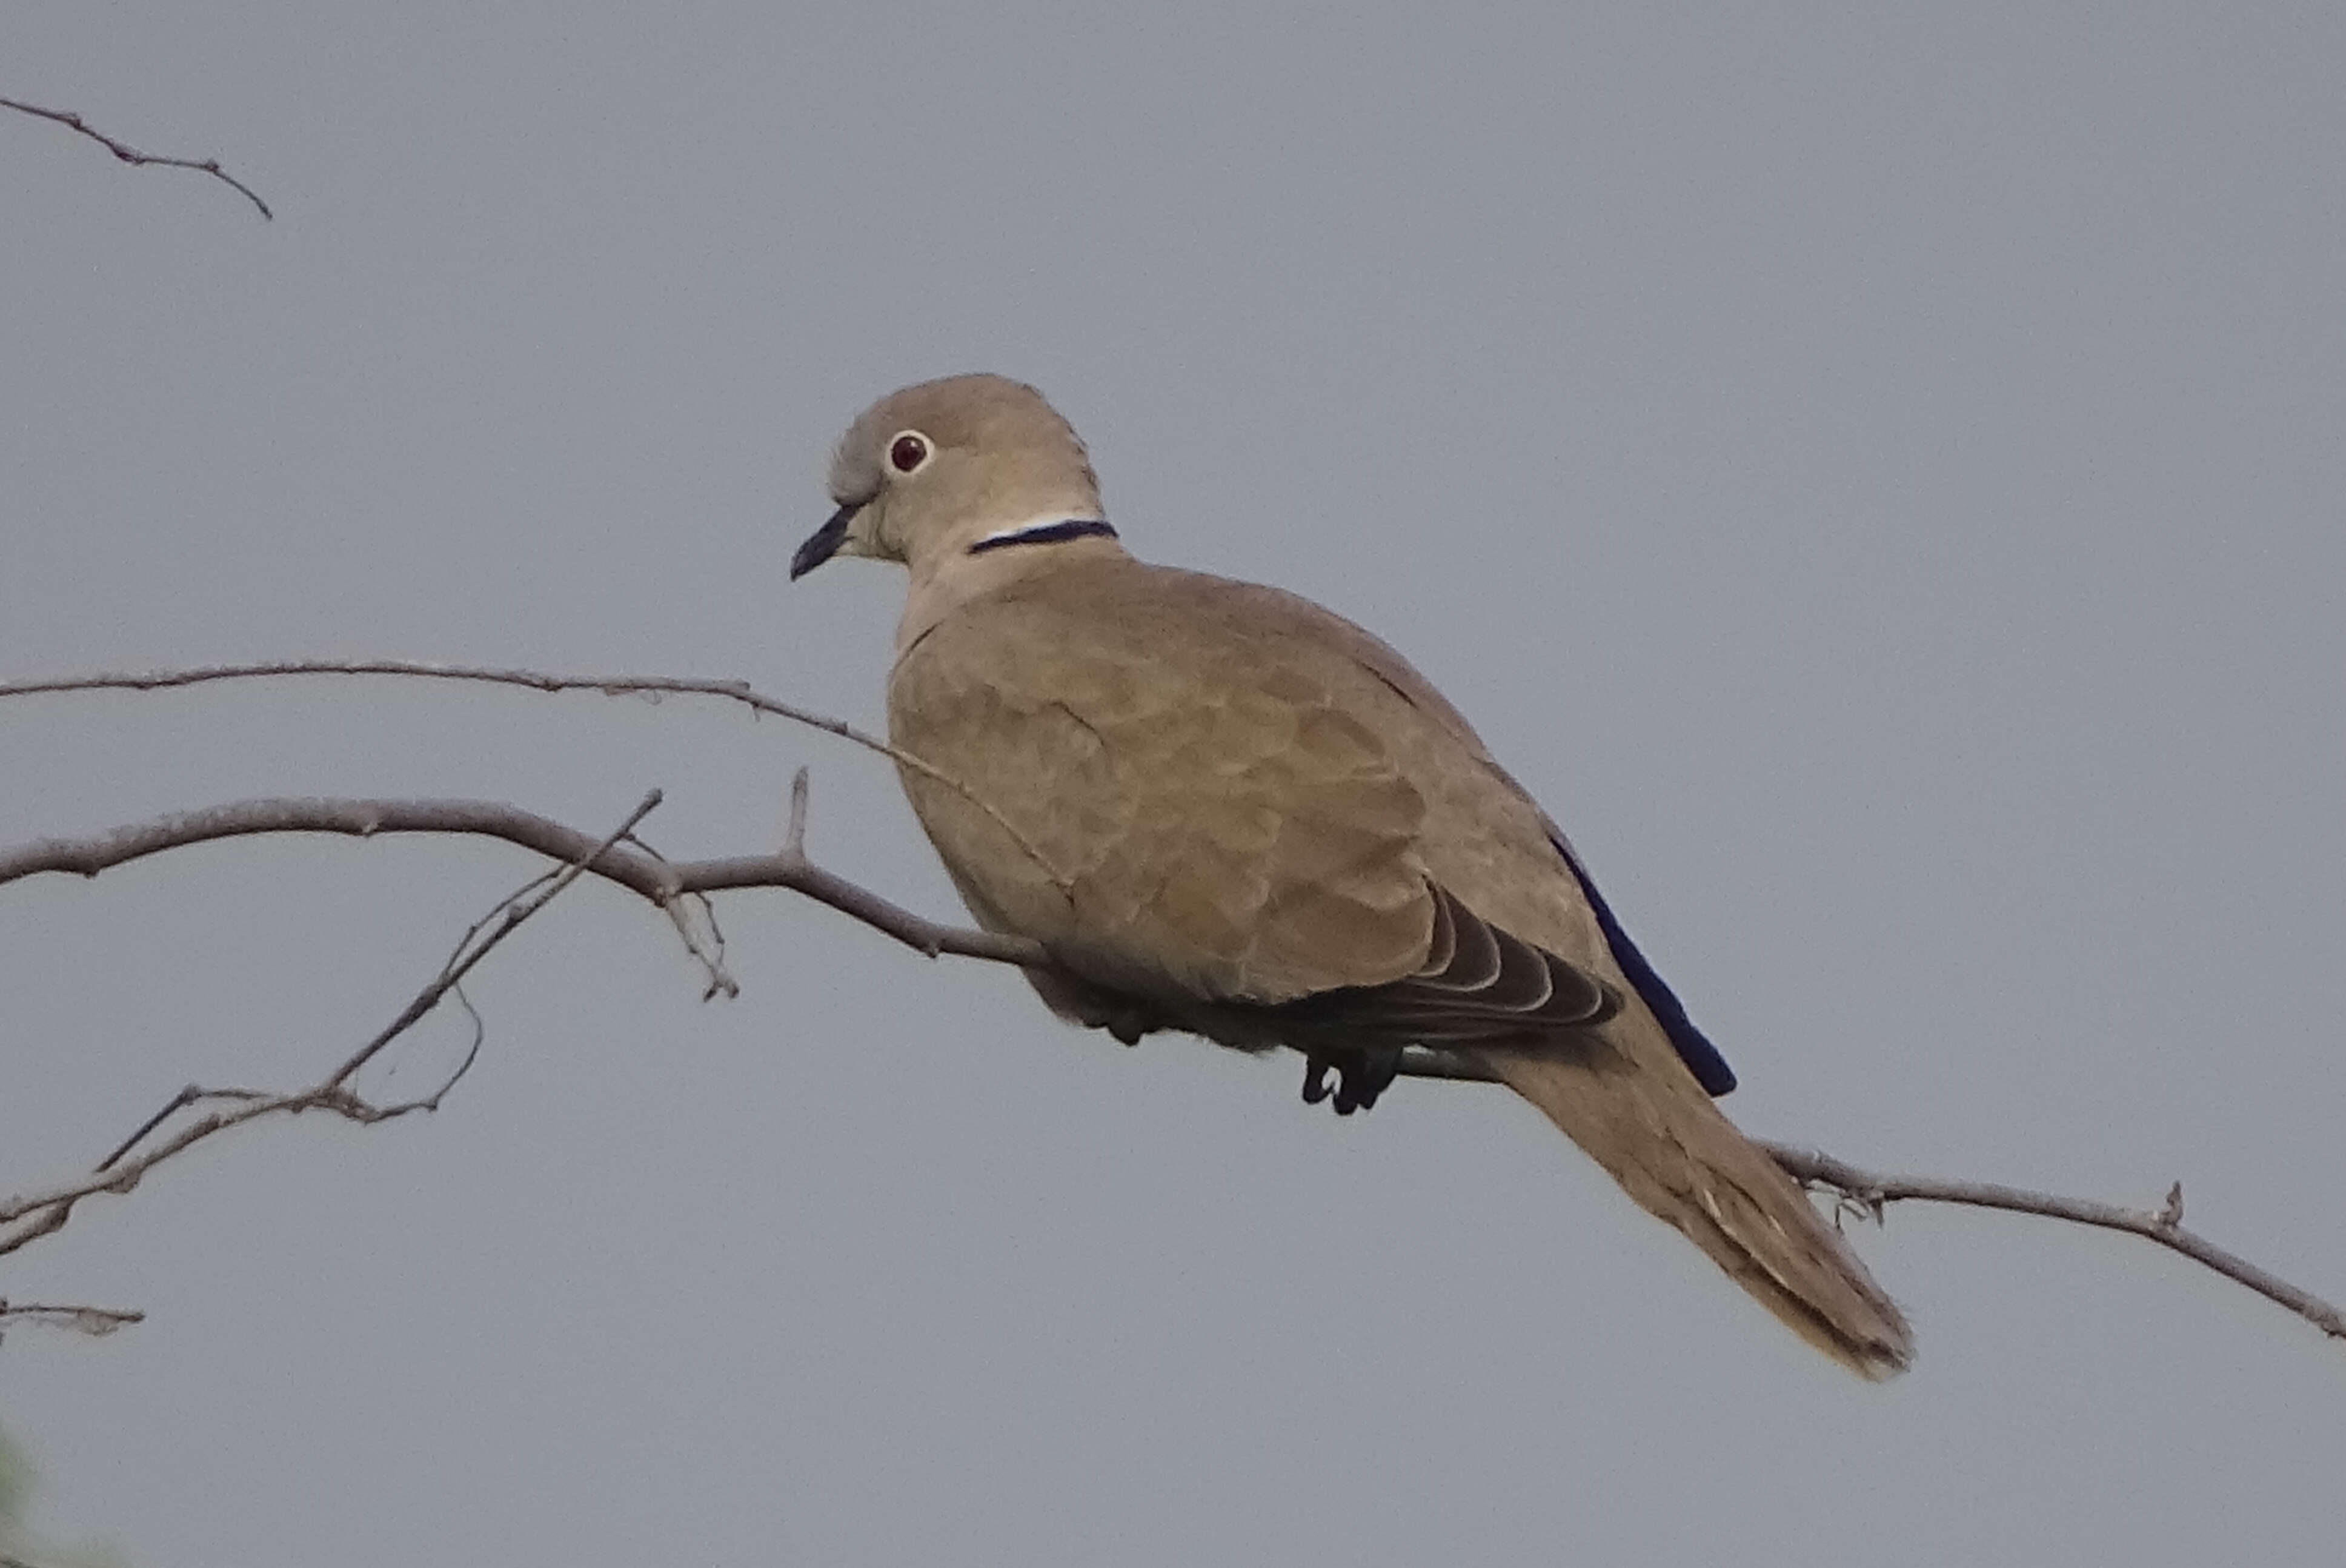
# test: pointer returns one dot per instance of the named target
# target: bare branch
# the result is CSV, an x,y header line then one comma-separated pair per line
x,y
96,1321
672,885
642,874
477,943
131,155
44,1213
1869,1191
192,1095
48,1211
695,919
652,685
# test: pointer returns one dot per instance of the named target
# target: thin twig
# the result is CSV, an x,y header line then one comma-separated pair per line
x,y
131,155
193,1094
652,685
96,1321
695,919
474,946
694,915
655,686
44,1213
1871,1190
794,835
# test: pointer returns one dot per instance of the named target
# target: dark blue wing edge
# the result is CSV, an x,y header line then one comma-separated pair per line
x,y
1694,1048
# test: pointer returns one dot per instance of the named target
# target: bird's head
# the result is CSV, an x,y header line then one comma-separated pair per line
x,y
947,467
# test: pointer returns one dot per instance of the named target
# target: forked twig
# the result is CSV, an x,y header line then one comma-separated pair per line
x,y
44,1213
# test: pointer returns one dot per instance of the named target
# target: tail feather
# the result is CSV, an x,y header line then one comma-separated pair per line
x,y
1656,1131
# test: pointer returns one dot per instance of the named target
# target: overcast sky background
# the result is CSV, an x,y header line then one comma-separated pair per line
x,y
1877,476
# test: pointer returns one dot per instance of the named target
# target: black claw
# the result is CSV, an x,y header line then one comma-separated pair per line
x,y
1360,1078
1374,1073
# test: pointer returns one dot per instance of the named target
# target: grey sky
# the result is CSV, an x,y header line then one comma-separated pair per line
x,y
1876,475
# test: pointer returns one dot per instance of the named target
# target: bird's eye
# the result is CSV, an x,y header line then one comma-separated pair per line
x,y
908,451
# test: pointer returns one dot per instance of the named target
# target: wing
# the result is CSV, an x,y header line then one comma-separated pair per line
x,y
1177,811
1207,791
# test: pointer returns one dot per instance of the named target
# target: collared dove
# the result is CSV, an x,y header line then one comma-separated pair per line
x,y
1225,811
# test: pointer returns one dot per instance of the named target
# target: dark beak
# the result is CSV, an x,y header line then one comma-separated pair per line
x,y
822,544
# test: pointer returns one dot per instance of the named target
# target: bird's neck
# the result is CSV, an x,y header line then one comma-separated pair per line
x,y
987,560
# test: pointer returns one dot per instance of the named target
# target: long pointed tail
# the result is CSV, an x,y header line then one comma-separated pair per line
x,y
1655,1130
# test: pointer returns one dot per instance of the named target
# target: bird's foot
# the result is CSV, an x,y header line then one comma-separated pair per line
x,y
1360,1077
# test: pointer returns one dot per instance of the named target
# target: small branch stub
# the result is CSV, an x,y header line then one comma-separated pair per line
x,y
95,1321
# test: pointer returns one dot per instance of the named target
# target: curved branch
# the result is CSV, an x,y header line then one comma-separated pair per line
x,y
665,884
651,685
638,871
131,155
1870,1191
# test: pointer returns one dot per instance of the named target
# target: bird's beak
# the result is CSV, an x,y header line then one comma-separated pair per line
x,y
822,544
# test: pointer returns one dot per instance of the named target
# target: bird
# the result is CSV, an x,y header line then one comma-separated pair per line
x,y
1224,810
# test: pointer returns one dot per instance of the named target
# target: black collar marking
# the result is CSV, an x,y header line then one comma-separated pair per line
x,y
1049,533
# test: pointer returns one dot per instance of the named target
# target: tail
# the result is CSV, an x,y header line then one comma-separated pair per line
x,y
1645,1119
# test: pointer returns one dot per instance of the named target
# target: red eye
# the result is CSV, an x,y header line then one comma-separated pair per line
x,y
907,451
